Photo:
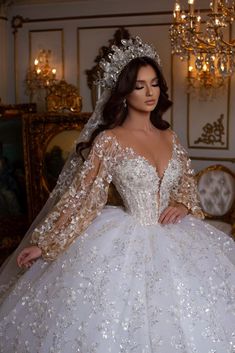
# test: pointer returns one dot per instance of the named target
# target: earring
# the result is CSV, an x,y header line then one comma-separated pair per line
x,y
124,103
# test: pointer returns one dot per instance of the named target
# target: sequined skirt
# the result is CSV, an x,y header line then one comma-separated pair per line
x,y
126,288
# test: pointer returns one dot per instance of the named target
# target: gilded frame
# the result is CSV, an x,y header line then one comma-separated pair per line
x,y
13,195
38,131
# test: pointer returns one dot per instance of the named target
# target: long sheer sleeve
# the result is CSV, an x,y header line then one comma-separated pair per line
x,y
187,192
83,201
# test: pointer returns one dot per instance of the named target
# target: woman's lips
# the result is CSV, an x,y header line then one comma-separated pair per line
x,y
150,102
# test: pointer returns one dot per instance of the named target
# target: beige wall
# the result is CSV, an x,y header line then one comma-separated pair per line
x,y
3,56
75,31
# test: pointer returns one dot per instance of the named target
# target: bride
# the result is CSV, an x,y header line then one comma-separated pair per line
x,y
149,277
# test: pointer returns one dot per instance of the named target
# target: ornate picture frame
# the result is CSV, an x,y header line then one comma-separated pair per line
x,y
13,195
47,140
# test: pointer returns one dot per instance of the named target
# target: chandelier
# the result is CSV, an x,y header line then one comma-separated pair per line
x,y
203,84
41,75
213,55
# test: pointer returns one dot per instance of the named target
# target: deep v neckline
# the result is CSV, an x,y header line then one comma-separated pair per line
x,y
145,159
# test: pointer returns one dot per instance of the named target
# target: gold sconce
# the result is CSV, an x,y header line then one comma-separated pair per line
x,y
41,75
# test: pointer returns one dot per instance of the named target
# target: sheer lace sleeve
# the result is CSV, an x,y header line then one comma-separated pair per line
x,y
82,202
187,192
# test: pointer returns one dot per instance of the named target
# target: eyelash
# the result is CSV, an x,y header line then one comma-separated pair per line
x,y
153,85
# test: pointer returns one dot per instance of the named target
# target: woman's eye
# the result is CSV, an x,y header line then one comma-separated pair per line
x,y
155,84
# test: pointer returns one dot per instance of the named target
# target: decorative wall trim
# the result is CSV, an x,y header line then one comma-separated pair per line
x,y
172,91
231,160
17,22
226,147
78,62
90,17
95,17
130,25
212,132
223,146
16,72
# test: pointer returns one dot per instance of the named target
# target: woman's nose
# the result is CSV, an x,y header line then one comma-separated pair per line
x,y
149,91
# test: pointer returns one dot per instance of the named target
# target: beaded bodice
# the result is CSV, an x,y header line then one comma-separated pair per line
x,y
144,192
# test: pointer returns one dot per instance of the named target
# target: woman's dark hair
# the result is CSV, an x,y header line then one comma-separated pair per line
x,y
115,113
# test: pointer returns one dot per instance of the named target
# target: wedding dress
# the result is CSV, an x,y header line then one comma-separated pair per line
x,y
114,280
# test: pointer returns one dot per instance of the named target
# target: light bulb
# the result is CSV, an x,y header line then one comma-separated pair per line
x,y
177,6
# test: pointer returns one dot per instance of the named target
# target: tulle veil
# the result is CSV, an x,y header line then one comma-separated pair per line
x,y
9,271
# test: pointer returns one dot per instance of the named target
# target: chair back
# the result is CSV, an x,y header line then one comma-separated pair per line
x,y
216,187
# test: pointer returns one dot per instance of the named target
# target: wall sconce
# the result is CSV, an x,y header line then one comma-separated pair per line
x,y
41,75
204,84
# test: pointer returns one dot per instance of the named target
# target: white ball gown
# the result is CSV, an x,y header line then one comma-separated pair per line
x,y
126,284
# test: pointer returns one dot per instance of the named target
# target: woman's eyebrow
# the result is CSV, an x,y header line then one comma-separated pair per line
x,y
143,81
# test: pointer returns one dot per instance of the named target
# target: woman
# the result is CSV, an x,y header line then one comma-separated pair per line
x,y
147,278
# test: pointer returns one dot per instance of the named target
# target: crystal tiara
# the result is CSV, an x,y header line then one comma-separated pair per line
x,y
121,56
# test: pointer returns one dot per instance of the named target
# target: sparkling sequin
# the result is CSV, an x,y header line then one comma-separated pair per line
x,y
144,193
126,284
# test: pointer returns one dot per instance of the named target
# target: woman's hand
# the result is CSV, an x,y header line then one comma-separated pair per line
x,y
28,255
173,214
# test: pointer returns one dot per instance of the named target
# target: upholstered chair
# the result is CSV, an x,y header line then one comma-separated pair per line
x,y
216,187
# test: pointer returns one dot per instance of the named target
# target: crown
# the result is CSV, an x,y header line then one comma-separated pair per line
x,y
119,57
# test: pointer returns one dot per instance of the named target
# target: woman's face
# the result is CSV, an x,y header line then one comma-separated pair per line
x,y
144,97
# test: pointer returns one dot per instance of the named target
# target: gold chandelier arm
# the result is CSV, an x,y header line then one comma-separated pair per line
x,y
213,52
206,44
229,44
227,11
